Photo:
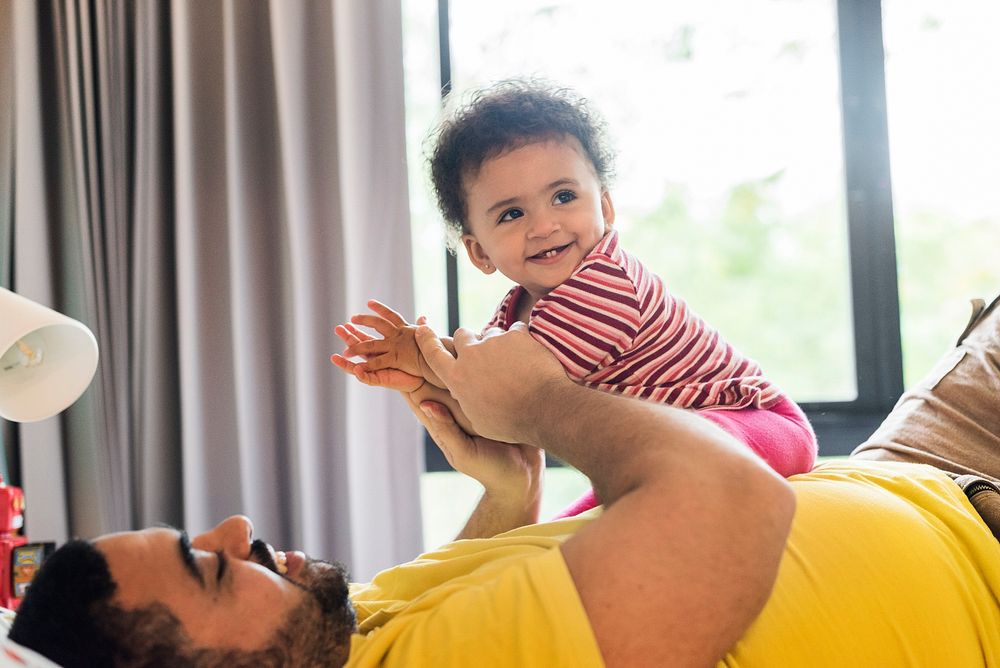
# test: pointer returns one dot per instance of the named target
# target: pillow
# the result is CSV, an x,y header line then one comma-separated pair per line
x,y
951,419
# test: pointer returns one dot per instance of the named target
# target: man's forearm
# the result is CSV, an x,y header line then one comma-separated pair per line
x,y
605,436
497,513
511,474
689,509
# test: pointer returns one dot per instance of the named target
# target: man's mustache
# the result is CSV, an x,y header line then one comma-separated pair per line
x,y
261,553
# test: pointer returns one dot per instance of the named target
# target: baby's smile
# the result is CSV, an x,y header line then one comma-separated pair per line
x,y
550,254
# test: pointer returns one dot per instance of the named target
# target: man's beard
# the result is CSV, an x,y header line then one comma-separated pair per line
x,y
318,631
328,584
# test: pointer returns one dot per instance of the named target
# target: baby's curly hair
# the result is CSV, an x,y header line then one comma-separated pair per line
x,y
504,116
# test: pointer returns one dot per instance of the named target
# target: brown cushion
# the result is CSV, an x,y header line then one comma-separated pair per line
x,y
951,418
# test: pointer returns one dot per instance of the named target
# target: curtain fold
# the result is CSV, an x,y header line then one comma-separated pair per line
x,y
7,109
226,181
9,459
155,392
372,174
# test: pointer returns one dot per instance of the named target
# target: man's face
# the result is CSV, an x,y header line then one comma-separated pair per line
x,y
224,588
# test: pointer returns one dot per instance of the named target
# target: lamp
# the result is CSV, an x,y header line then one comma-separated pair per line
x,y
46,362
46,359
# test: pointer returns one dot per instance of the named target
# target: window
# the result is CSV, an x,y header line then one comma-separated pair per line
x,y
754,171
729,177
943,88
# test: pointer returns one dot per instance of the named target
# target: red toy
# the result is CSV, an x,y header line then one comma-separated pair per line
x,y
18,560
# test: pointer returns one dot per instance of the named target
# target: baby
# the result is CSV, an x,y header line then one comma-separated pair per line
x,y
521,175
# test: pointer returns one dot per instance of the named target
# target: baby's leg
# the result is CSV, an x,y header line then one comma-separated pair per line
x,y
781,434
585,502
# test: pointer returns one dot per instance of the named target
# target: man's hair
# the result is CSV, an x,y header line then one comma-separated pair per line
x,y
69,617
60,614
505,116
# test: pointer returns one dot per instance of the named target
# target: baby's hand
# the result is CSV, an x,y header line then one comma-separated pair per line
x,y
396,350
393,379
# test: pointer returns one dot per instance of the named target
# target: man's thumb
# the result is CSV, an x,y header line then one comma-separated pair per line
x,y
435,354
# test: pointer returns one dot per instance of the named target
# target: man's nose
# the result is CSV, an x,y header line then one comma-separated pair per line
x,y
232,535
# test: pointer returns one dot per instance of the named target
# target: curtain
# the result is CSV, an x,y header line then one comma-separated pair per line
x,y
211,186
8,451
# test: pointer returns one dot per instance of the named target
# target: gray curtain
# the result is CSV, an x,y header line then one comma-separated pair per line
x,y
211,186
7,448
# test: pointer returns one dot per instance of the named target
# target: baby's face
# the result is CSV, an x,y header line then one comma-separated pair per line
x,y
535,212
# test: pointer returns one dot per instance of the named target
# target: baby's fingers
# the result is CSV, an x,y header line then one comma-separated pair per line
x,y
388,378
350,334
343,363
387,313
361,336
385,361
379,324
367,348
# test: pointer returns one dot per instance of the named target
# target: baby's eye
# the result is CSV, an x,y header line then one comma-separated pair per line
x,y
565,196
510,214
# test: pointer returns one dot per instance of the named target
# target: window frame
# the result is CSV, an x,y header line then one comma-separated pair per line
x,y
840,425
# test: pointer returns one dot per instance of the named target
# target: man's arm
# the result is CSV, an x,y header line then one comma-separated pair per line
x,y
511,475
686,552
432,394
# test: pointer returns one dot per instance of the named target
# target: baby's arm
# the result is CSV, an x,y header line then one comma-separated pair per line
x,y
397,349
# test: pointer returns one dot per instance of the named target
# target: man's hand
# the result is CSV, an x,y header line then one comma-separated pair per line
x,y
511,474
500,380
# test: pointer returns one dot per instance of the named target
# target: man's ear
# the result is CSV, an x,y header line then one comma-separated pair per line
x,y
477,255
607,210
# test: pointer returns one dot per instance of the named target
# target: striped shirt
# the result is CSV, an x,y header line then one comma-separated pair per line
x,y
614,327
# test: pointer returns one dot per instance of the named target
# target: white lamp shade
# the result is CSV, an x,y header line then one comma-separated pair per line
x,y
67,352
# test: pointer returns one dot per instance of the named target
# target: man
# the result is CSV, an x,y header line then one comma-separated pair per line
x,y
885,564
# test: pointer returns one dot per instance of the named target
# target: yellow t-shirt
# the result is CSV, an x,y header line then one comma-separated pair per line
x,y
502,601
887,565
